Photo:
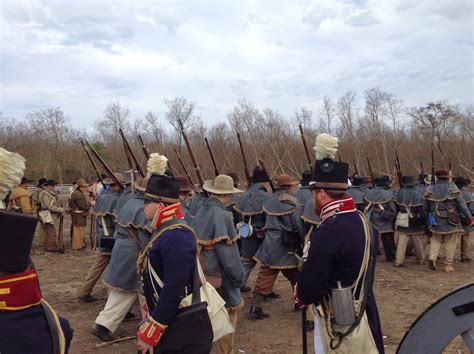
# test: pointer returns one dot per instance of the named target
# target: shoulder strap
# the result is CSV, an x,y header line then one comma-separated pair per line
x,y
57,335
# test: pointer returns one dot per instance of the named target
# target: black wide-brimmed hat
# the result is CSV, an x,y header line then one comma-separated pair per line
x,y
25,180
162,188
50,182
382,181
331,175
460,181
357,181
259,175
18,231
305,178
42,181
408,181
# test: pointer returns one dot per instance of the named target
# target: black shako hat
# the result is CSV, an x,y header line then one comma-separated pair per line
x,y
259,175
357,181
305,178
162,188
408,181
382,181
18,231
329,174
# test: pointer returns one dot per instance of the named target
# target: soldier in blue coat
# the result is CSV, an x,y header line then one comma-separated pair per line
x,y
171,256
343,243
28,324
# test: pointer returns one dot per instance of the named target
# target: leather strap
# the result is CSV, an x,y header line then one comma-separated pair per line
x,y
54,329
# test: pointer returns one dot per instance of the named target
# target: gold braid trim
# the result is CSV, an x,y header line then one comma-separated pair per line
x,y
141,262
62,340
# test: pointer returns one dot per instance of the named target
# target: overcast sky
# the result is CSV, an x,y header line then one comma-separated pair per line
x,y
82,55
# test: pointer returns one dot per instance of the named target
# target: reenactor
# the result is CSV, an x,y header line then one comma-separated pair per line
x,y
357,191
21,198
185,194
284,236
79,211
218,237
303,194
466,234
42,228
50,213
444,205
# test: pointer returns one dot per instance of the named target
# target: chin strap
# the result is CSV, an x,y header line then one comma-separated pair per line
x,y
151,331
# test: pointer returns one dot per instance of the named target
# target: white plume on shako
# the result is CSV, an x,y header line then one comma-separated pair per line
x,y
156,164
12,168
325,146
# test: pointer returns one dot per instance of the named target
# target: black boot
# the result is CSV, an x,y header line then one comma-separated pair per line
x,y
87,298
101,332
130,316
257,312
273,295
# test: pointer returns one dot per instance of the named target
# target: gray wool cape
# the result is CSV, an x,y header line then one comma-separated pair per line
x,y
302,194
469,200
410,199
358,193
282,207
125,196
311,219
217,238
195,204
132,234
250,207
104,209
185,209
441,197
381,209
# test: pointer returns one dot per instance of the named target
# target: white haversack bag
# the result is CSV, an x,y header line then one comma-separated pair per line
x,y
221,325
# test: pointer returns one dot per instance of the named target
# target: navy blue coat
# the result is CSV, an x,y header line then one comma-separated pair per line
x,y
173,257
336,254
26,331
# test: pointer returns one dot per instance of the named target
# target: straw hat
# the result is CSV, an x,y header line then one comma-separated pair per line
x,y
222,184
286,180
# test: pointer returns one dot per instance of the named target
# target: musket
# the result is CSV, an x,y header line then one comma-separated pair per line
x,y
193,157
216,170
91,232
104,165
433,171
450,169
183,166
132,155
398,168
355,168
60,233
244,159
339,156
265,171
422,169
306,150
370,172
145,150
96,169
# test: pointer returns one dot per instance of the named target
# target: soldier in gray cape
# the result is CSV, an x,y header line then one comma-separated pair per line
x,y
284,236
444,204
466,234
411,220
303,194
358,190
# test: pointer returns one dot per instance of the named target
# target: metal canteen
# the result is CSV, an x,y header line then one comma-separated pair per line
x,y
245,230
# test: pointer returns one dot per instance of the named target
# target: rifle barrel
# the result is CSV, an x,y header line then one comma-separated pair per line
x,y
132,155
104,165
216,170
183,166
265,171
370,172
305,146
94,165
244,159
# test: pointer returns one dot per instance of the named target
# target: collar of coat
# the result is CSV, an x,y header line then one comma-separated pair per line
x,y
19,291
336,207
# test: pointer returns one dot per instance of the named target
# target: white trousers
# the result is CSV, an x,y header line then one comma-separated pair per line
x,y
118,305
318,342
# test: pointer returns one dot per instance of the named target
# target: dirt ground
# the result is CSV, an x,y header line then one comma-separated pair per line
x,y
401,293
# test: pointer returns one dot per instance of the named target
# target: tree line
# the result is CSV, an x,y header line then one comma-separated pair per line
x,y
373,125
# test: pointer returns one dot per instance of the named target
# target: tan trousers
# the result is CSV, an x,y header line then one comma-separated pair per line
x,y
226,345
402,247
119,303
42,234
101,261
448,241
466,243
78,237
267,276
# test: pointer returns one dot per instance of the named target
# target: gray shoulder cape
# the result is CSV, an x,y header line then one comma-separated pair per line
x,y
252,201
378,195
441,191
280,203
106,203
409,197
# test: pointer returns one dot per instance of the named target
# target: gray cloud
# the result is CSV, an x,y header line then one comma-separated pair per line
x,y
361,18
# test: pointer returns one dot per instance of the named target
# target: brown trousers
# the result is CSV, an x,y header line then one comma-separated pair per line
x,y
226,345
42,234
101,261
51,238
267,276
78,237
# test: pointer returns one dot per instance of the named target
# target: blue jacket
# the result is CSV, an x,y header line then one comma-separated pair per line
x,y
105,208
172,255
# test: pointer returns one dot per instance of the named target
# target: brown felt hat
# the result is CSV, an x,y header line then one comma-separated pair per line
x,y
286,180
81,183
185,184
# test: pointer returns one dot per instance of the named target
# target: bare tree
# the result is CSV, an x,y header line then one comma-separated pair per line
x,y
327,115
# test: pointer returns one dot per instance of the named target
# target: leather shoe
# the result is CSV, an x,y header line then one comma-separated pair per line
x,y
273,295
101,332
245,289
130,316
87,299
432,265
465,259
257,312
